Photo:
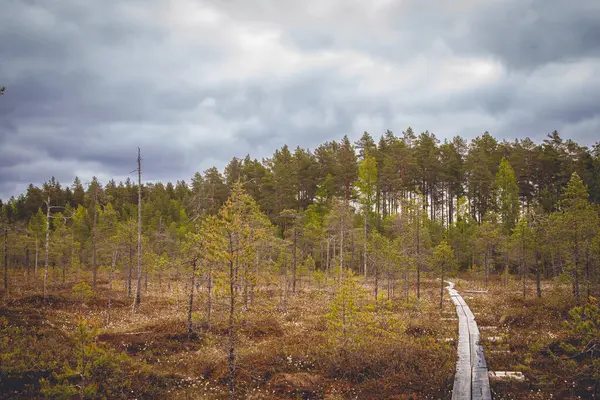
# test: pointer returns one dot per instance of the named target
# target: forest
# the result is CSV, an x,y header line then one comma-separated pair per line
x,y
317,274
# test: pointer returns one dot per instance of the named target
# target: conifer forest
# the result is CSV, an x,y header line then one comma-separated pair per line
x,y
340,272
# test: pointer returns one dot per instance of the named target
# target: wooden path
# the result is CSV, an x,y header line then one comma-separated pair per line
x,y
471,381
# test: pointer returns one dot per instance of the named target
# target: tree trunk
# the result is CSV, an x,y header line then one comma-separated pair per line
x,y
352,251
210,295
73,251
341,249
35,270
231,327
577,268
5,260
538,283
246,289
191,303
418,260
376,280
295,261
327,263
523,260
47,247
94,255
27,265
587,273
488,257
389,284
130,270
138,293
365,246
406,283
285,285
442,290
110,285
252,287
321,256
506,269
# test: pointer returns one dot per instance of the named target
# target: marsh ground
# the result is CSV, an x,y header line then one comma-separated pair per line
x,y
406,350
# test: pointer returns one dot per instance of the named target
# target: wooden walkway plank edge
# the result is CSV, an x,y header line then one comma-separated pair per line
x,y
471,380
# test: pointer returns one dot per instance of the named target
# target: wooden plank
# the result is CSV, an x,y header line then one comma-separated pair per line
x,y
471,380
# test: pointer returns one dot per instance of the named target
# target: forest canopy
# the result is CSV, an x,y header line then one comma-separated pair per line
x,y
365,231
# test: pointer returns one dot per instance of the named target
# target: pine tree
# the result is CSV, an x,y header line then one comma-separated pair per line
x,y
579,223
488,238
345,313
507,195
367,184
243,227
443,260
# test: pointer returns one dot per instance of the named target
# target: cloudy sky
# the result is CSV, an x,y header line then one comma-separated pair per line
x,y
196,82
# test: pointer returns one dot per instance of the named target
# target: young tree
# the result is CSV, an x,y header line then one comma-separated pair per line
x,y
49,216
5,252
367,184
94,204
443,260
80,233
243,227
507,195
521,247
488,238
338,222
579,224
379,251
461,234
61,242
292,221
420,233
344,313
126,236
138,292
37,227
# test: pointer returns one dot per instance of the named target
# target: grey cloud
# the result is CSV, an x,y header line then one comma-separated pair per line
x,y
527,34
89,82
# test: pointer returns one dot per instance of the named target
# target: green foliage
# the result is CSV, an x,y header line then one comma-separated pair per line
x,y
59,391
344,314
380,319
99,373
577,225
443,258
37,225
507,195
462,233
583,329
367,181
319,278
83,291
584,322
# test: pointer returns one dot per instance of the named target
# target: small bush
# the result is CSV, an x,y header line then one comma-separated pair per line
x,y
83,291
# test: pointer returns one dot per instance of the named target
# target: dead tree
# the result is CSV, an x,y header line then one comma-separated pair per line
x,y
138,293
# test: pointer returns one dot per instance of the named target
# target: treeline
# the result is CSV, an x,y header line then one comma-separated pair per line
x,y
376,207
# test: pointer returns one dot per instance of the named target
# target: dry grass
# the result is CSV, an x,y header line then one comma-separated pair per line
x,y
280,355
291,355
527,327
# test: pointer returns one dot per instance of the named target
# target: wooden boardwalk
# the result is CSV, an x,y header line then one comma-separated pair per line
x,y
471,381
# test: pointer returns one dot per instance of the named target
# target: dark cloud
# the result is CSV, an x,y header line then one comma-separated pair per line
x,y
531,33
195,83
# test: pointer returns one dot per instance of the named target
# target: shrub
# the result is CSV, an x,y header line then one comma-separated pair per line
x,y
83,291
